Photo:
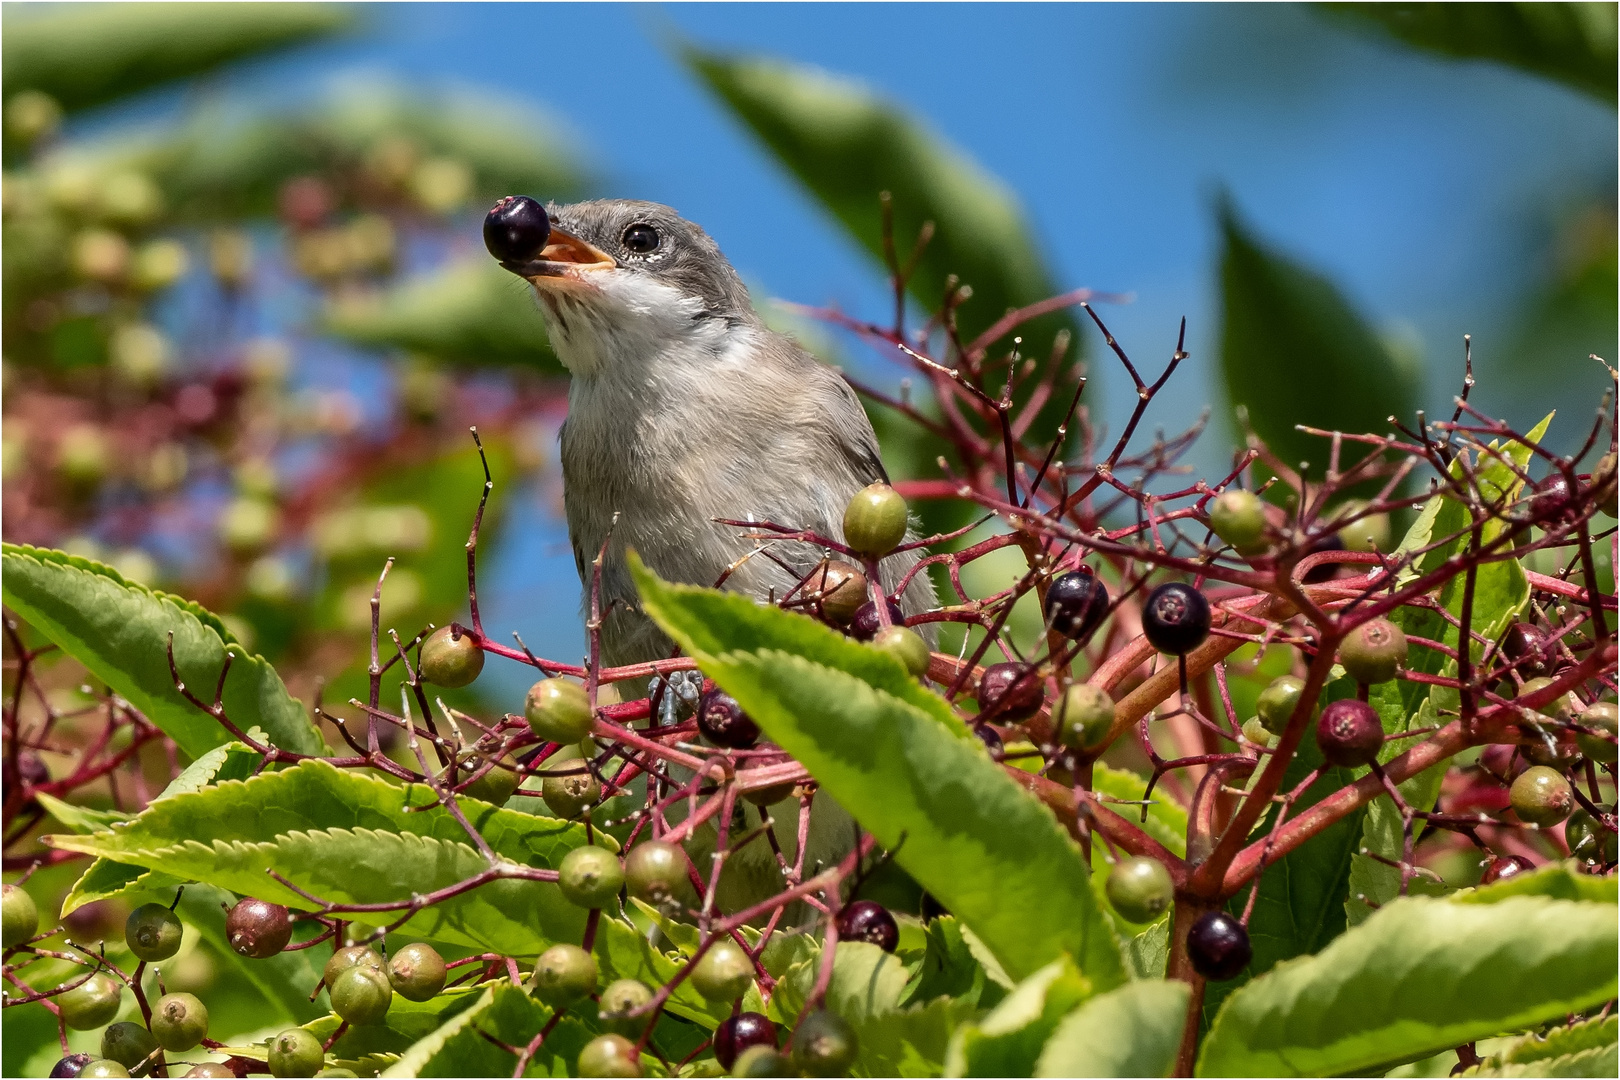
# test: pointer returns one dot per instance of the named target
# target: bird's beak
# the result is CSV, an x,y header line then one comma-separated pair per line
x,y
564,256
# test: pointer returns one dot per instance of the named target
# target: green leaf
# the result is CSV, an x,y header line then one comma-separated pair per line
x,y
1419,976
81,819
866,982
948,967
119,631
623,953
909,1042
1277,316
84,56
511,1017
895,757
430,1046
1132,1031
469,312
1166,821
233,761
1557,1044
1573,43
1561,881
1008,1041
1599,1061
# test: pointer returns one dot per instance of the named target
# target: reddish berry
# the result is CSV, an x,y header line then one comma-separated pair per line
x,y
864,625
1010,692
1505,866
723,721
864,920
835,591
258,928
1218,946
1350,734
738,1033
1526,648
1550,501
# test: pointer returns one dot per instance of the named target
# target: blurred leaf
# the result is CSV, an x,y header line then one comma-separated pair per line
x,y
1132,1031
1008,1041
88,54
893,755
470,312
1414,979
1293,351
1573,43
1562,881
119,631
1553,1054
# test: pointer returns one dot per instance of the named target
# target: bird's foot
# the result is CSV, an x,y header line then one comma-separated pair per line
x,y
681,692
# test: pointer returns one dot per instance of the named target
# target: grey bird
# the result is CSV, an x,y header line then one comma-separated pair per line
x,y
685,408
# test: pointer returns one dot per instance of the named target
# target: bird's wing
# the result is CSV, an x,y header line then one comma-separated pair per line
x,y
846,423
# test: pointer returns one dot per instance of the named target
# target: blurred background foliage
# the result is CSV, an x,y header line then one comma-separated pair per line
x,y
243,341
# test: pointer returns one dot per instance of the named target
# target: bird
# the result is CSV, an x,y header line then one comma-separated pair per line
x,y
686,409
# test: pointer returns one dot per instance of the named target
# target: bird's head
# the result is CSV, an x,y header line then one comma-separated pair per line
x,y
616,276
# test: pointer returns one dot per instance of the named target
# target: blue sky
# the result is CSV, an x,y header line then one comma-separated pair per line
x,y
1420,185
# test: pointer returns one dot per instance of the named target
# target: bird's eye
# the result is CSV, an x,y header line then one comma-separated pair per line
x,y
640,239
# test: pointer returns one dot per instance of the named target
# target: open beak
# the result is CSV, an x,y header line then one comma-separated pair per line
x,y
564,256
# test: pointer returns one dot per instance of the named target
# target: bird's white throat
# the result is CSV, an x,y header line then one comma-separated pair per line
x,y
616,324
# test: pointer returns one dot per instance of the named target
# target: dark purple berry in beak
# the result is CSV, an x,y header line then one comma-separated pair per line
x,y
516,229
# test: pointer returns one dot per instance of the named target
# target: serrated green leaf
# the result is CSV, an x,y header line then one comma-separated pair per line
x,y
948,966
908,1042
1572,43
1417,977
866,982
1149,951
1008,1041
1560,1041
424,1050
233,761
1278,314
1561,881
81,819
107,878
84,56
1132,1031
1601,1061
119,631
896,758
623,953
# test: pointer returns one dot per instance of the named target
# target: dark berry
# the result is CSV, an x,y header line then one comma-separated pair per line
x,y
1278,701
608,1055
516,229
558,711
1526,648
655,871
152,932
127,1043
738,1033
865,920
1083,716
32,770
417,972
296,1052
19,916
450,659
348,956
1541,796
1562,707
990,737
1175,618
824,1044
1596,735
1010,692
1218,946
723,722
72,1065
1140,889
1555,749
864,626
724,973
621,998
1239,518
1075,603
875,520
258,928
179,1022
590,876
1550,499
1505,866
563,975
1350,734
1373,651
906,646
92,1003
361,995
835,591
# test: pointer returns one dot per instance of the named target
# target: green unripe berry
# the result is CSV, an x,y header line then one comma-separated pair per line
x,y
875,520
495,786
563,975
335,1071
655,871
361,995
590,876
724,973
1602,719
1083,716
152,932
906,646
179,1022
1373,651
824,1045
104,1067
1140,889
1239,518
1367,533
558,711
212,1069
621,998
450,659
19,917
761,1061
1541,796
1562,707
346,958
127,1043
1588,839
1278,701
296,1052
568,795
609,1055
92,1003
1255,730
417,972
